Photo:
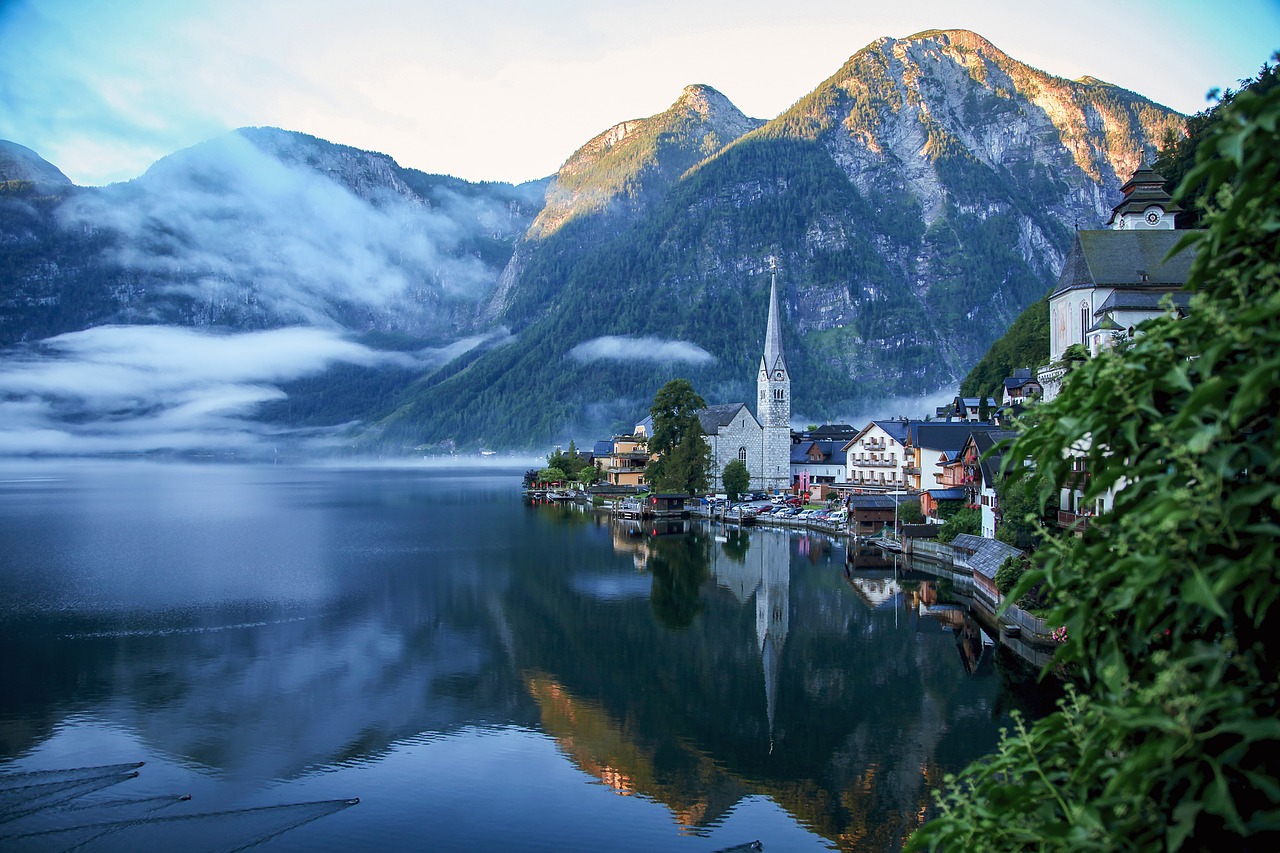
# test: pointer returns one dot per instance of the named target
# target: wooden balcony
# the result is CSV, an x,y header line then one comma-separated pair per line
x,y
1072,521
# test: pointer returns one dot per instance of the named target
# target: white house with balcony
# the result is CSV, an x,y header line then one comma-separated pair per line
x,y
876,456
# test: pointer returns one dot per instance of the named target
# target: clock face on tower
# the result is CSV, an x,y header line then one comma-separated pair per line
x,y
1153,217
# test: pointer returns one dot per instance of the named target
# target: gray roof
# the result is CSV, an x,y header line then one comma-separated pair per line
x,y
714,417
1142,300
1022,376
1122,258
800,452
897,430
602,449
944,437
985,555
875,502
956,494
989,461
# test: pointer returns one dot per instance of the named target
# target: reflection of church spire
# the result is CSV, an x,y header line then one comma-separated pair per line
x,y
773,616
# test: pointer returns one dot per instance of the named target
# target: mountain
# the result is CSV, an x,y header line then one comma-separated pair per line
x,y
19,163
258,229
914,203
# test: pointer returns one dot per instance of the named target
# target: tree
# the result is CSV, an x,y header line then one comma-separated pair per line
x,y
552,475
1169,601
964,520
984,409
683,455
1022,520
736,479
909,513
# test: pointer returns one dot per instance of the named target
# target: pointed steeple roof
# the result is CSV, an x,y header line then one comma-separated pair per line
x,y
1144,188
773,358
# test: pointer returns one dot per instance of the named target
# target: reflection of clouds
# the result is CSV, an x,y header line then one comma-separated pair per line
x,y
621,348
138,388
613,587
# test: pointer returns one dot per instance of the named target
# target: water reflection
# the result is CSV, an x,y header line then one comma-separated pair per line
x,y
679,664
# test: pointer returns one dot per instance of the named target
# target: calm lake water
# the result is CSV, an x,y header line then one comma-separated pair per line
x,y
480,673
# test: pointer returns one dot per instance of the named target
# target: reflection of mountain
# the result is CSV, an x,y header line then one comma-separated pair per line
x,y
722,673
608,751
257,661
858,719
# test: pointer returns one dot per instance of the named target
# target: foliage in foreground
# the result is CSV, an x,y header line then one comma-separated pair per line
x,y
1173,740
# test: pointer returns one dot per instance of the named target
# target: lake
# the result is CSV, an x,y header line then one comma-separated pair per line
x,y
480,673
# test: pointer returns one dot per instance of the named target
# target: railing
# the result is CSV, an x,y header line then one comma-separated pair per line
x,y
911,469
871,463
1072,521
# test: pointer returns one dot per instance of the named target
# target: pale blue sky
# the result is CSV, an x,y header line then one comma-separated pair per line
x,y
505,90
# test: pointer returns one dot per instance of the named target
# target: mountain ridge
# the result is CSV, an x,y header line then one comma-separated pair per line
x,y
915,202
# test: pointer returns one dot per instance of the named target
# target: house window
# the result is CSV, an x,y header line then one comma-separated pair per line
x,y
742,455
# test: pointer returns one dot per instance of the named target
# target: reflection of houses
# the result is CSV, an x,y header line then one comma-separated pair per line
x,y
876,590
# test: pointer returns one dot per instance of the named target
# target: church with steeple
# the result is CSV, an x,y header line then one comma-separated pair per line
x,y
1116,277
761,441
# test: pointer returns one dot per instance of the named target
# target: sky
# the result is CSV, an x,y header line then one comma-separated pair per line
x,y
504,90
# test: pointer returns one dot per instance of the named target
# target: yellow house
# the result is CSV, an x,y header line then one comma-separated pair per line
x,y
626,463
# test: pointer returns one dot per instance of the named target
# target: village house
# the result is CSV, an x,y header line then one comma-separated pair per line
x,y
981,471
626,460
817,463
876,456
932,446
966,409
1021,388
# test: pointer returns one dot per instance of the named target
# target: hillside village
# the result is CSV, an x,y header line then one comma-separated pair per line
x,y
1111,281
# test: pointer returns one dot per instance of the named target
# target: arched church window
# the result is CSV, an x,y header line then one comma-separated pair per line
x,y
1084,319
742,455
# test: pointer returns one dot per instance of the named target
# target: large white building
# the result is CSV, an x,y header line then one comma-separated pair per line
x,y
1113,279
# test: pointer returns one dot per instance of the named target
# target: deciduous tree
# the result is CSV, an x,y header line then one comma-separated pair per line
x,y
1169,601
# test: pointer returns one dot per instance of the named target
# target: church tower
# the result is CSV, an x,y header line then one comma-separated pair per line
x,y
1145,204
773,404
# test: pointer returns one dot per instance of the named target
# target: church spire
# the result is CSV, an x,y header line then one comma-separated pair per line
x,y
773,358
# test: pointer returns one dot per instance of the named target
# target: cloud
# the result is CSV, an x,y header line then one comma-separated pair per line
x,y
283,228
915,407
145,388
622,348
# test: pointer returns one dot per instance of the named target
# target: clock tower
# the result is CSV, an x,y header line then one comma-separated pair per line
x,y
1146,205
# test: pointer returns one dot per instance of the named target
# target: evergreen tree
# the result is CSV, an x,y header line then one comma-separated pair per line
x,y
683,455
736,479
